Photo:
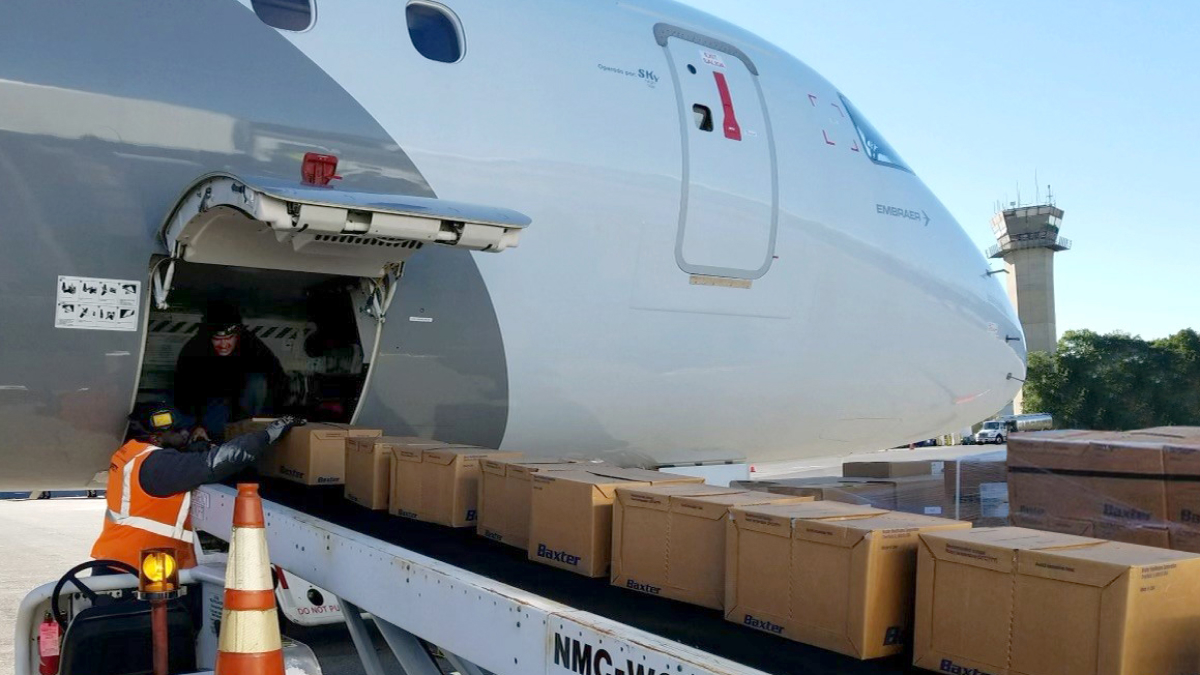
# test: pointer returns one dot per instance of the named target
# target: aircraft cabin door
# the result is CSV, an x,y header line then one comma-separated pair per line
x,y
730,188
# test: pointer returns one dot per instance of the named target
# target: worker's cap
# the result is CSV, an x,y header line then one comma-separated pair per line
x,y
156,418
221,315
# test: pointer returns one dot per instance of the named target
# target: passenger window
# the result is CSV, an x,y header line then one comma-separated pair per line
x,y
873,144
294,15
435,32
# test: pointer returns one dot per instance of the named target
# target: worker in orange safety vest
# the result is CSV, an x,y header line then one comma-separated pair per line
x,y
151,477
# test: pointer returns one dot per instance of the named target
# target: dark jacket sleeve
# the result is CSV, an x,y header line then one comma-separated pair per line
x,y
168,472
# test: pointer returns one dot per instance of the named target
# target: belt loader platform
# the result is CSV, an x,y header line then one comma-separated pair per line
x,y
491,610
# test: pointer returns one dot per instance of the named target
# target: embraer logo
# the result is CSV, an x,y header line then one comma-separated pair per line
x,y
557,556
762,624
897,212
949,666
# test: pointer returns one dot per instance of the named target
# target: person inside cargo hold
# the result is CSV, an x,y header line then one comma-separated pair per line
x,y
151,477
226,373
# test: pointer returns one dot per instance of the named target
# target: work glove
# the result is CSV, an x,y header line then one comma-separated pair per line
x,y
280,426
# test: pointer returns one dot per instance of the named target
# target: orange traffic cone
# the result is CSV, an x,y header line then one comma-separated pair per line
x,y
249,643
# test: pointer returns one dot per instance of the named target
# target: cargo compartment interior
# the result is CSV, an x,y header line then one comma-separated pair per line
x,y
308,321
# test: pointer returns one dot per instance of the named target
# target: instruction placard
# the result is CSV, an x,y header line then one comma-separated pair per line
x,y
97,304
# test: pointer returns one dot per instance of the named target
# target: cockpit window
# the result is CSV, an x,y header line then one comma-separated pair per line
x,y
434,32
293,15
876,148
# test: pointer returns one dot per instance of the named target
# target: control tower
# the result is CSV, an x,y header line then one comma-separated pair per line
x,y
1027,239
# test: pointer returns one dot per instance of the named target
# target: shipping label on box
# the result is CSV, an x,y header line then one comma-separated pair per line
x,y
993,500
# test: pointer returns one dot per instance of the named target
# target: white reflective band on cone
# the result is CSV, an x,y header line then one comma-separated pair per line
x,y
248,567
249,631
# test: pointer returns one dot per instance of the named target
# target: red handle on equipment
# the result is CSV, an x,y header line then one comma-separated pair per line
x,y
49,648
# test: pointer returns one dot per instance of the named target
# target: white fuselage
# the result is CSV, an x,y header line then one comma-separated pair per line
x,y
682,295
868,329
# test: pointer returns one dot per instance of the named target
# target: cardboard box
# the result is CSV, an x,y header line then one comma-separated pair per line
x,y
1184,538
439,484
505,493
669,540
976,489
1130,533
1181,464
1059,524
925,495
1172,433
1096,476
1150,534
314,454
864,491
245,426
571,515
369,468
1008,601
837,576
895,469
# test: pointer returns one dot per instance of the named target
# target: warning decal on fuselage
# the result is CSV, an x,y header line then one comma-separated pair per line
x,y
97,304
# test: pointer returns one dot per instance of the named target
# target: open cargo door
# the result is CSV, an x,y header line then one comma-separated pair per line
x,y
288,252
276,224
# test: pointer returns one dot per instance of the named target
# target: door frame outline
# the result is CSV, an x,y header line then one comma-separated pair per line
x,y
662,34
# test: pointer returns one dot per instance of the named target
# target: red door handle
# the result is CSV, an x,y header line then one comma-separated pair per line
x,y
733,131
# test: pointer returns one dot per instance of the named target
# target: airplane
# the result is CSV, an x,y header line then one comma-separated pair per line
x,y
625,230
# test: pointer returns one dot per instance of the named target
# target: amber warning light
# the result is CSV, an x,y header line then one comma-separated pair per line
x,y
158,574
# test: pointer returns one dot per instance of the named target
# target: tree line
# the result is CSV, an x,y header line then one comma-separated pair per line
x,y
1117,381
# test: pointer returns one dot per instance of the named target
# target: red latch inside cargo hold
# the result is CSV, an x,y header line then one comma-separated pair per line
x,y
319,169
732,130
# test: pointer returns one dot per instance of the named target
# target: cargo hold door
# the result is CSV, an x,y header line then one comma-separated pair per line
x,y
270,223
729,205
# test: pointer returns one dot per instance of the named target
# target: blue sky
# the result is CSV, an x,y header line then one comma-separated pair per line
x,y
1100,99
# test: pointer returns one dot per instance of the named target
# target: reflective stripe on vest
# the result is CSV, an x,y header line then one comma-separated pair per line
x,y
178,531
153,526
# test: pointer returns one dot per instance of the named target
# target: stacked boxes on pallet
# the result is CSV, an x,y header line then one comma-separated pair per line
x,y
1014,600
1140,487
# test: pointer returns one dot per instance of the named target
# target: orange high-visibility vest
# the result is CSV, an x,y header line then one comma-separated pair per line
x,y
136,520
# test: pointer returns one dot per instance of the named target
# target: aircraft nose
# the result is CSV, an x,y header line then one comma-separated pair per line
x,y
990,344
